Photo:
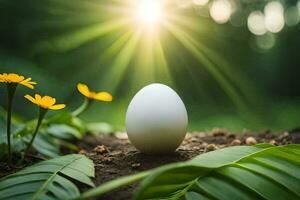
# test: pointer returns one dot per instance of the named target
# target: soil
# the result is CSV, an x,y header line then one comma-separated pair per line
x,y
114,156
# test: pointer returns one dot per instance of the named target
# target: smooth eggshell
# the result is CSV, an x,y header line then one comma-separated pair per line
x,y
156,119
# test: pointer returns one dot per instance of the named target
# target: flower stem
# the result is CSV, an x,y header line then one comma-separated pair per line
x,y
11,89
84,106
42,114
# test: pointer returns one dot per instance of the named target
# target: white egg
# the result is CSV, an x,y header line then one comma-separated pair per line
x,y
156,120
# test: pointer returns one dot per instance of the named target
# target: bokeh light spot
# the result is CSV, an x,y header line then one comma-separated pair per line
x,y
256,23
274,16
266,42
220,11
200,2
291,16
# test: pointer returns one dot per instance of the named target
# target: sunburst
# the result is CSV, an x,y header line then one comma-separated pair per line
x,y
139,28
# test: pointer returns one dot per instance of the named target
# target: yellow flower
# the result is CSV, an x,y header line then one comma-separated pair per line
x,y
100,96
45,102
15,78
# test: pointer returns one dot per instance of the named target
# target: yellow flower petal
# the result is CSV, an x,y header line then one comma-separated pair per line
x,y
27,79
103,96
57,107
48,101
30,98
45,102
38,98
15,78
32,83
83,89
27,85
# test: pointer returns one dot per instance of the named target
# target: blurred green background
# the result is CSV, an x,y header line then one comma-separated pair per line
x,y
235,63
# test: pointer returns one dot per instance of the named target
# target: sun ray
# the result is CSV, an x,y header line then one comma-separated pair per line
x,y
162,63
134,40
105,56
224,84
143,72
74,39
116,46
249,93
234,77
114,74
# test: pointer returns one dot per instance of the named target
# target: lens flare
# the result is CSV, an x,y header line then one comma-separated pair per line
x,y
149,12
256,23
274,16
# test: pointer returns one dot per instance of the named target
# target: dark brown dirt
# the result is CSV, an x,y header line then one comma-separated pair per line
x,y
114,156
15,163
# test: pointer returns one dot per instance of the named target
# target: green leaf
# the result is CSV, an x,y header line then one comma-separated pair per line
x,y
46,145
63,131
96,128
14,128
242,172
67,119
50,138
51,179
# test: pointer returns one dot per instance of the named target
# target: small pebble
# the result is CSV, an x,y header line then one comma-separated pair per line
x,y
107,159
201,134
217,132
193,139
135,165
273,142
211,147
82,151
195,148
235,142
101,149
251,141
286,134
231,136
203,145
121,135
283,136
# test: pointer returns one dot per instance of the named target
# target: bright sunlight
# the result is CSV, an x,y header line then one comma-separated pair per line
x,y
149,12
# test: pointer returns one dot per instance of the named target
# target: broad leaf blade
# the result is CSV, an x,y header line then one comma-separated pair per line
x,y
44,180
246,172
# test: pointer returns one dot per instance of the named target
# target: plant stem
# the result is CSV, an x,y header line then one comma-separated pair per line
x,y
11,89
42,114
84,106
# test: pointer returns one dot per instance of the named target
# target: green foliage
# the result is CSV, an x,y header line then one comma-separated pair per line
x,y
230,173
67,119
51,179
57,131
99,128
64,132
16,127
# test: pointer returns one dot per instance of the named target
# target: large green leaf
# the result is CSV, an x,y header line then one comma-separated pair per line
x,y
51,179
242,172
232,173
